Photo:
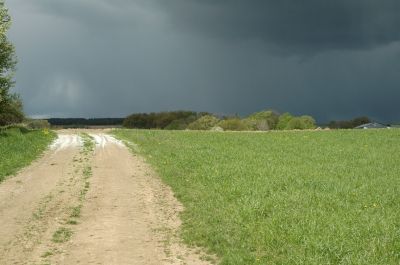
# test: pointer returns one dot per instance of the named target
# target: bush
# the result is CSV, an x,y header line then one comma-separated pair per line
x,y
177,125
283,121
37,124
206,122
301,123
263,121
234,124
11,111
308,122
256,125
10,118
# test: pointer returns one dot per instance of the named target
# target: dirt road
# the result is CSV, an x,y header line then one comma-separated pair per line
x,y
90,205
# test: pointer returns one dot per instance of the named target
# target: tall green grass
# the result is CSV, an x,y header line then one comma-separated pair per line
x,y
19,147
328,197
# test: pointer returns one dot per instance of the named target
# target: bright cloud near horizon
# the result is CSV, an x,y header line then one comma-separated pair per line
x,y
101,58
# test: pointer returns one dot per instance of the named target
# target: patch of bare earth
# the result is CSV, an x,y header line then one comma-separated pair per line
x,y
126,214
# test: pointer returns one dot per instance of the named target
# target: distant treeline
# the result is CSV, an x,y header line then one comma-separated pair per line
x,y
182,120
78,122
190,120
174,120
349,124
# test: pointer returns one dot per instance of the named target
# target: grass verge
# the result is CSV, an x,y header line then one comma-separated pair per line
x,y
19,147
329,197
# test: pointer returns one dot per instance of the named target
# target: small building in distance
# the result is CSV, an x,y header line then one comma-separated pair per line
x,y
373,125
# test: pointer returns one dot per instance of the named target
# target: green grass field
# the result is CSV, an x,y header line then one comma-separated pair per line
x,y
327,197
19,147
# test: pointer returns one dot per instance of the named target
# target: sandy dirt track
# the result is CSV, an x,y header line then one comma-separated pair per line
x,y
114,208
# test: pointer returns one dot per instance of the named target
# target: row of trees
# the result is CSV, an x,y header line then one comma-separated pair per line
x,y
181,120
349,124
10,103
175,120
260,121
82,122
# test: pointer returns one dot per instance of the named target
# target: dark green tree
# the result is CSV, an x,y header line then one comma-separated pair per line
x,y
206,122
284,120
263,121
10,103
234,124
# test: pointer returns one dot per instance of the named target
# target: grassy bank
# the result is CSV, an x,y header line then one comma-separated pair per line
x,y
328,197
19,147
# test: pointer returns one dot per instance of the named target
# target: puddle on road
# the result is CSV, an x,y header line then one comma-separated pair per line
x,y
103,139
65,141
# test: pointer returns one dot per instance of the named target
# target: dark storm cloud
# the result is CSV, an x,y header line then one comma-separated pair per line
x,y
100,15
97,58
293,26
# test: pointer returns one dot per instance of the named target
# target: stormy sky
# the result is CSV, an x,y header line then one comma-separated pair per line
x,y
333,59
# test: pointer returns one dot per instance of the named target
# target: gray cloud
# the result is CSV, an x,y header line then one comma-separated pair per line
x,y
99,58
290,26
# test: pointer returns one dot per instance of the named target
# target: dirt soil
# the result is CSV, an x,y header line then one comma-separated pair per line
x,y
101,206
